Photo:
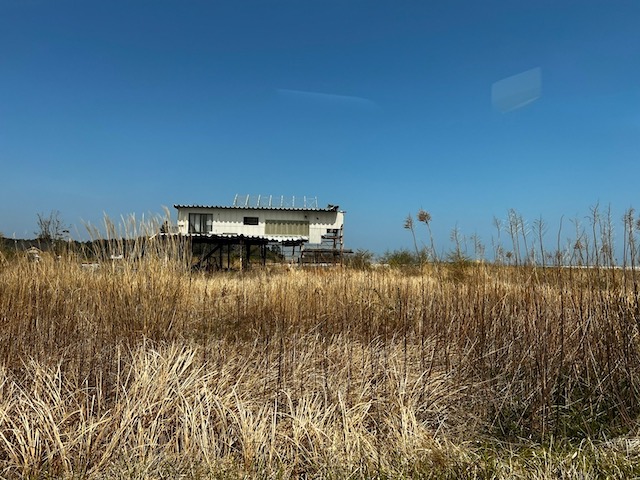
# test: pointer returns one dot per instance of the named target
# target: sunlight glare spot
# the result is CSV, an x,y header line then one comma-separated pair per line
x,y
517,91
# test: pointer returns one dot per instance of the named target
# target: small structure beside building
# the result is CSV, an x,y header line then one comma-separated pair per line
x,y
299,233
34,254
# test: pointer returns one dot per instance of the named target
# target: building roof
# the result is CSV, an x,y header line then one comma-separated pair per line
x,y
330,208
286,239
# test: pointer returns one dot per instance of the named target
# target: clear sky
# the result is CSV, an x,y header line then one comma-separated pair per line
x,y
463,108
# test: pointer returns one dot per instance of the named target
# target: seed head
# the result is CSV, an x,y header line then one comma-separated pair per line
x,y
408,223
424,216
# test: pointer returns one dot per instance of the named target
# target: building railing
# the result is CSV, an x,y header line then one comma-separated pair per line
x,y
169,228
275,201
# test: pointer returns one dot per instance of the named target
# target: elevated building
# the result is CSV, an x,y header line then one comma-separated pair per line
x,y
305,233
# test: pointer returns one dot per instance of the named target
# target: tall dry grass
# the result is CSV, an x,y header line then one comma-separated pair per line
x,y
142,369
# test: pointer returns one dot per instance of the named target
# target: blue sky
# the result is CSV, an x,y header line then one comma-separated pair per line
x,y
382,107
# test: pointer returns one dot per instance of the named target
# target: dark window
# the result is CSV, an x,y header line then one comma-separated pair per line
x,y
200,223
251,220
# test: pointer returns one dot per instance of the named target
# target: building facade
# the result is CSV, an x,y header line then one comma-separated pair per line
x,y
309,225
301,234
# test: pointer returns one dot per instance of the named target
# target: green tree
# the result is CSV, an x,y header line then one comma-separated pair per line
x,y
400,258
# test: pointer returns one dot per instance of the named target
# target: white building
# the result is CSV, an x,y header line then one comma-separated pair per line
x,y
308,225
310,234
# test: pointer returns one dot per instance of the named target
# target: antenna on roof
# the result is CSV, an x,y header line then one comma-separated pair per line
x,y
260,201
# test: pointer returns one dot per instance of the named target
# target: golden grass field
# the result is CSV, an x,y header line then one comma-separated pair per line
x,y
144,370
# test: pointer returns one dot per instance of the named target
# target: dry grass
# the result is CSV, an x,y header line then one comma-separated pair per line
x,y
142,370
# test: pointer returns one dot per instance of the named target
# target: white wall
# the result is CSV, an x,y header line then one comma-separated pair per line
x,y
231,220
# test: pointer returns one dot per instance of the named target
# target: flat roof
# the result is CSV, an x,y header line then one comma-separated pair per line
x,y
330,208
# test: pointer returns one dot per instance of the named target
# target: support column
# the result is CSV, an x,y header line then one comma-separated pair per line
x,y
242,247
247,257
